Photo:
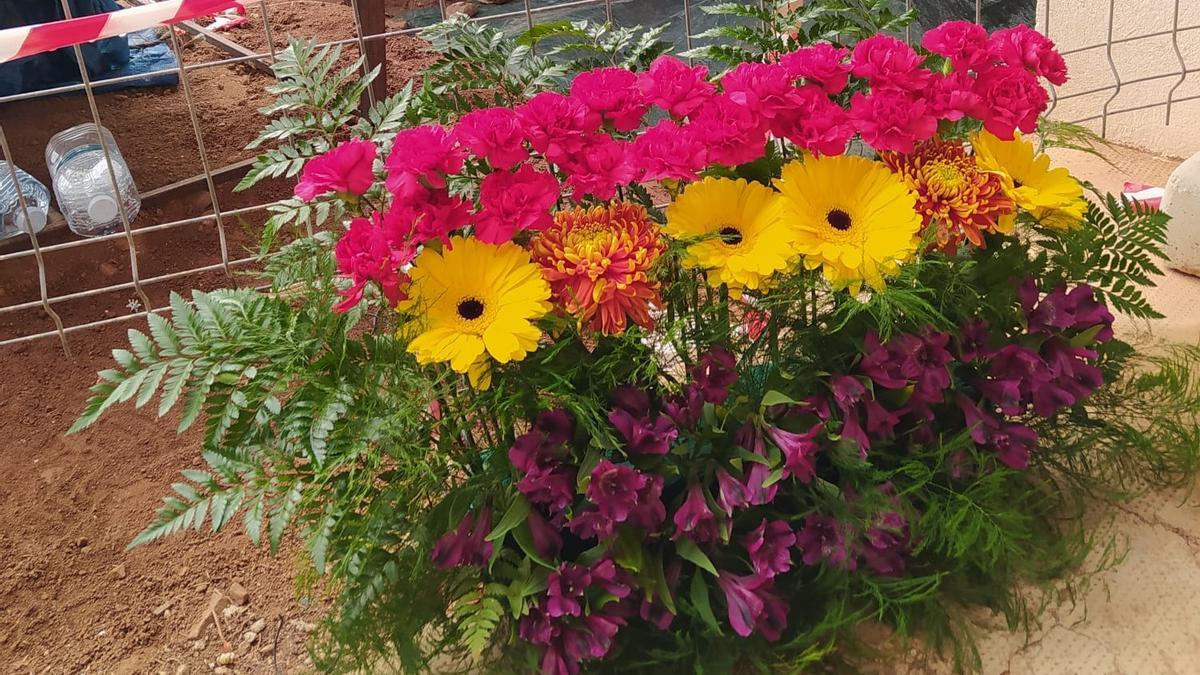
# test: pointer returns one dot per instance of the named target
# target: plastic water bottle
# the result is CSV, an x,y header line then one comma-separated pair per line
x,y
83,184
13,220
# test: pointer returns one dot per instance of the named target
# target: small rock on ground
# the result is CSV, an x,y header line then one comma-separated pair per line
x,y
465,8
238,594
258,626
226,659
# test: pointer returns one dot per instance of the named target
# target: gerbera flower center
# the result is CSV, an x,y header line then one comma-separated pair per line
x,y
838,220
470,309
730,235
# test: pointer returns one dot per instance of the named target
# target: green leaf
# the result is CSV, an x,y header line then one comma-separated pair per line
x,y
700,600
687,549
524,538
628,549
774,397
517,513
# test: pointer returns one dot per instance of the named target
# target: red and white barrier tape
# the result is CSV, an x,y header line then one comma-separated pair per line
x,y
24,41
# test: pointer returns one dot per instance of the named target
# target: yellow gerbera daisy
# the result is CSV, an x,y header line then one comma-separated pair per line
x,y
1051,196
474,303
854,218
742,238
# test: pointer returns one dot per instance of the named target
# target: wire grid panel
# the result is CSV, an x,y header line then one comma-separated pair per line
x,y
528,12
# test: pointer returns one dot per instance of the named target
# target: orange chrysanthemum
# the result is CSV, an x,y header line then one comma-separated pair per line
x,y
598,263
953,193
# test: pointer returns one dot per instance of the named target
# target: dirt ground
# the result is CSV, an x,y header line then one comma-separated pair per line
x,y
74,600
154,131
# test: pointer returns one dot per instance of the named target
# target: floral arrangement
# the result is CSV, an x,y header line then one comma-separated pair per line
x,y
670,365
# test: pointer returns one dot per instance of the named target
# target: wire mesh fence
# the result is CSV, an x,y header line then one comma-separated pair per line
x,y
55,284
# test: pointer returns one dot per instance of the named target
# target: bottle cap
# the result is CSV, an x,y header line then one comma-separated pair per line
x,y
37,218
102,209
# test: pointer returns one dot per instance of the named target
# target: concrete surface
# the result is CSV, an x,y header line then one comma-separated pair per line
x,y
1084,25
1140,618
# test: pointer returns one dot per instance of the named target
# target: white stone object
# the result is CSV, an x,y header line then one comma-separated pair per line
x,y
1182,202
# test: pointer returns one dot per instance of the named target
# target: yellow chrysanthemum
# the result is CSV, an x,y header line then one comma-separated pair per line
x,y
854,218
742,238
1051,196
475,303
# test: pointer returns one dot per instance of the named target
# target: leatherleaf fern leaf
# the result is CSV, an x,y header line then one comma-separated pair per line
x,y
1117,250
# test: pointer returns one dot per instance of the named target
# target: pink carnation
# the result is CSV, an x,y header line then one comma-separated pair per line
x,y
614,94
429,215
345,168
953,96
733,134
557,126
1024,46
892,120
515,201
818,125
821,64
675,86
495,134
422,157
887,62
370,251
761,88
965,43
667,151
1013,99
600,168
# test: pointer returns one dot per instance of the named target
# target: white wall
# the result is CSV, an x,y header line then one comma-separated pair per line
x,y
1073,24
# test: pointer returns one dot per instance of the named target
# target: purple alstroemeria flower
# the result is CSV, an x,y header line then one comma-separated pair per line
x,y
650,513
931,360
744,605
632,400
1054,311
852,429
547,539
686,407
557,425
591,524
694,519
731,493
1090,312
551,487
799,451
537,627
1014,373
823,539
611,580
467,544
750,437
770,547
847,391
715,373
773,620
556,661
564,588
614,489
885,545
644,435
978,422
881,422
756,477
881,364
593,639
972,340
1013,443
